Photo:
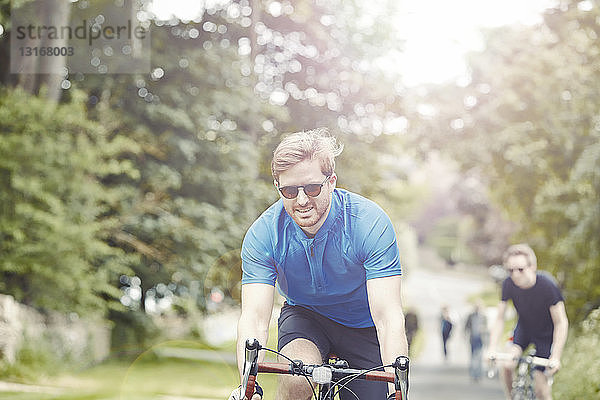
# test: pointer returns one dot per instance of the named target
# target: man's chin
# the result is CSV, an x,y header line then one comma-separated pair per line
x,y
304,222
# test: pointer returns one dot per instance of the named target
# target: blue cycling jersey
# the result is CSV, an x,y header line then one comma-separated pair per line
x,y
326,273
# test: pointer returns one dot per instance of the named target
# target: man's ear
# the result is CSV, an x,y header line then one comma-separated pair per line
x,y
333,180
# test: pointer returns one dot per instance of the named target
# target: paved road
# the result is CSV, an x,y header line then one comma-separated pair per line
x,y
433,378
436,382
426,290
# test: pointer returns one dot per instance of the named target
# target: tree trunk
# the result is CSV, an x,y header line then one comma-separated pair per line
x,y
46,72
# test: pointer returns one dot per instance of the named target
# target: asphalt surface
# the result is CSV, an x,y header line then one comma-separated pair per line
x,y
450,381
425,290
432,377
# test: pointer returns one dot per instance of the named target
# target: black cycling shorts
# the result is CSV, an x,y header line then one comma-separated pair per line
x,y
543,344
358,346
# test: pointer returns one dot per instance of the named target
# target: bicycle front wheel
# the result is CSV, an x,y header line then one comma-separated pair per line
x,y
524,392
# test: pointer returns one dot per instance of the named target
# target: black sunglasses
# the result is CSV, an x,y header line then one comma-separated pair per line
x,y
312,189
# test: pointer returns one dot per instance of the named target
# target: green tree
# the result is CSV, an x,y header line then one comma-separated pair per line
x,y
222,88
194,117
55,210
528,125
207,118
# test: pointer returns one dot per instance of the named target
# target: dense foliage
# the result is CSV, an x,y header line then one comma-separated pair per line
x,y
194,138
526,125
133,192
56,212
576,379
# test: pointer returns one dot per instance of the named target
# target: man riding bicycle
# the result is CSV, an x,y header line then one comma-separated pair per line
x,y
333,255
542,318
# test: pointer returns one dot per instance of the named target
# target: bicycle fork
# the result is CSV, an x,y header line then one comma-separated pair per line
x,y
325,392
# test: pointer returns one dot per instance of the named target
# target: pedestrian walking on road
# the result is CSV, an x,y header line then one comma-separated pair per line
x,y
446,327
411,324
477,332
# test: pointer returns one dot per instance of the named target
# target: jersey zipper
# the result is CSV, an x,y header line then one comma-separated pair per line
x,y
316,271
315,267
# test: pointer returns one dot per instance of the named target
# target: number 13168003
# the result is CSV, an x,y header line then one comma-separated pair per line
x,y
46,51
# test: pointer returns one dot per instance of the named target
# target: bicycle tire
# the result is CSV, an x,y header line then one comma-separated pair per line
x,y
523,391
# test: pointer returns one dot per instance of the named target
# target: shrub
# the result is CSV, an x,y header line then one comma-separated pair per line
x,y
35,358
133,333
578,377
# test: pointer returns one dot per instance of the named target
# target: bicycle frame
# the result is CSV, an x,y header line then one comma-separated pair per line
x,y
523,382
331,378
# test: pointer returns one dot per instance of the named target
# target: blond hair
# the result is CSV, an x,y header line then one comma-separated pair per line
x,y
521,249
306,145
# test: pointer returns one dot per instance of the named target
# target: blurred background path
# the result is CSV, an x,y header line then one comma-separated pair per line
x,y
425,290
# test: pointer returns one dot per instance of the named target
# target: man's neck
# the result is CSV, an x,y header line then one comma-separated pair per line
x,y
311,232
531,283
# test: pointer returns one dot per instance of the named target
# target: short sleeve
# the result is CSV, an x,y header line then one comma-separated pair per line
x,y
553,292
258,263
381,253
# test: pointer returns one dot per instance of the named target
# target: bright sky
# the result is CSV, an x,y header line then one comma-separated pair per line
x,y
437,32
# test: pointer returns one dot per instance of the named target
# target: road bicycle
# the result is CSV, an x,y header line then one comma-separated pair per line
x,y
326,380
523,383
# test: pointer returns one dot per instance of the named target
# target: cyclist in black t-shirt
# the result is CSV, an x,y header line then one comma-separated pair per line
x,y
542,319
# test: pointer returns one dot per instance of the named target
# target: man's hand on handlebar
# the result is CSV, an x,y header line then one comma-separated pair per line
x,y
553,366
237,393
249,371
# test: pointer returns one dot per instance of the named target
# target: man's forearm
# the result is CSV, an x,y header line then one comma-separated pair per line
x,y
498,327
495,334
393,342
257,306
247,329
559,338
561,329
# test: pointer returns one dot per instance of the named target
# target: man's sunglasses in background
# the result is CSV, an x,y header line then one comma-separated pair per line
x,y
513,270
